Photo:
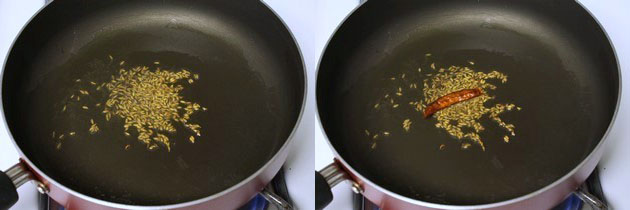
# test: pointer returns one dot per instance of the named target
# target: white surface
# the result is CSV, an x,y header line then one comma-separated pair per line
x,y
297,14
614,15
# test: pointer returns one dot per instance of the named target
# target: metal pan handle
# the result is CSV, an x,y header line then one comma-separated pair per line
x,y
326,179
275,199
8,191
13,178
590,199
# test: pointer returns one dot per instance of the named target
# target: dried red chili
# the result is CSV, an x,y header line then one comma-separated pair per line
x,y
450,99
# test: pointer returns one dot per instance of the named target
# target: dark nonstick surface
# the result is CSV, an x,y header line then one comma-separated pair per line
x,y
561,70
251,81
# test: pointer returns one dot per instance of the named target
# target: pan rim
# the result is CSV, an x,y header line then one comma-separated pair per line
x,y
598,147
247,180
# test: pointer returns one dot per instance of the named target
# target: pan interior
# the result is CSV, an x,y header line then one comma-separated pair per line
x,y
561,68
250,80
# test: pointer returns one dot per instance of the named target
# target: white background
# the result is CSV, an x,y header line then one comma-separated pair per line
x,y
614,15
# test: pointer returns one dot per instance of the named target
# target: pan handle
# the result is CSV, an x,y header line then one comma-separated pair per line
x,y
275,199
590,199
8,191
13,178
326,179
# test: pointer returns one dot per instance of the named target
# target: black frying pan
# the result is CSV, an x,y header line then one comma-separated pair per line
x,y
562,71
251,81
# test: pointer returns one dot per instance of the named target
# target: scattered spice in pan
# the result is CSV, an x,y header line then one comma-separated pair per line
x,y
147,100
93,127
376,137
153,147
150,102
407,124
161,138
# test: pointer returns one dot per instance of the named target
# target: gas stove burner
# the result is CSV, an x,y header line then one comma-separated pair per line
x,y
573,202
275,196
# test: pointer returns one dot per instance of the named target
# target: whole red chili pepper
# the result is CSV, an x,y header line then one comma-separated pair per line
x,y
450,99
